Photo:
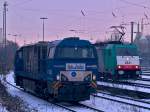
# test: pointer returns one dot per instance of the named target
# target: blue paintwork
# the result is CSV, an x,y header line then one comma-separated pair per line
x,y
55,65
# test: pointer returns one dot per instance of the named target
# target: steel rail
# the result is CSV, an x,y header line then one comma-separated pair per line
x,y
123,97
57,104
60,105
147,108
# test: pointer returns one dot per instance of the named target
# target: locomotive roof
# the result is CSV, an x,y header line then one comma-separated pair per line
x,y
124,44
108,42
33,44
110,45
66,41
70,41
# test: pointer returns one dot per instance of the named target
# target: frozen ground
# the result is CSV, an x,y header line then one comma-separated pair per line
x,y
147,77
43,106
2,108
111,106
141,82
146,71
123,86
33,102
146,74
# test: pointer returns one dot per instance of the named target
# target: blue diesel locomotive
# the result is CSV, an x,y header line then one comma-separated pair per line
x,y
65,70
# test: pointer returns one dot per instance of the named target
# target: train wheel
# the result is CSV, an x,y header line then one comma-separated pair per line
x,y
24,89
105,76
74,102
45,94
37,89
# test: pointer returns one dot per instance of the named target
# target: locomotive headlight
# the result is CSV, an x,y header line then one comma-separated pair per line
x,y
58,77
119,66
136,67
94,77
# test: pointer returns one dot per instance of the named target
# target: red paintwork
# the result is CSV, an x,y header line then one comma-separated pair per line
x,y
128,67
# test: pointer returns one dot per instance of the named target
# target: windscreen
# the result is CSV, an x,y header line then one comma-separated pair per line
x,y
75,52
127,52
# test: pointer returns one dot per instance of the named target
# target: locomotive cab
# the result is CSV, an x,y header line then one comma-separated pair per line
x,y
75,69
128,62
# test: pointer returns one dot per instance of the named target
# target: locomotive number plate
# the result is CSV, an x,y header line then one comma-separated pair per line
x,y
75,66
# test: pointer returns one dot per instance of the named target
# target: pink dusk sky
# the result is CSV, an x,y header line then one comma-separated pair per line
x,y
23,18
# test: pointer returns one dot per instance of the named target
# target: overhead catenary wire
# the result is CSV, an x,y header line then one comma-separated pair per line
x,y
112,13
134,4
21,3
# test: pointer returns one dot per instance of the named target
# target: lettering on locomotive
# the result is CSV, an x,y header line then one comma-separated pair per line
x,y
75,66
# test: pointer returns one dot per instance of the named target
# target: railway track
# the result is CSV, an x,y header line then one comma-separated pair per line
x,y
143,79
145,68
135,90
126,98
130,83
56,104
146,75
146,72
110,97
135,84
95,110
74,109
147,86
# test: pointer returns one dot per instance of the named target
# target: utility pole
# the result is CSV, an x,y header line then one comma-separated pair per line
x,y
138,28
43,18
4,22
132,26
142,25
4,35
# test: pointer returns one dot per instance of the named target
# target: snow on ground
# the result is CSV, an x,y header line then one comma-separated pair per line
x,y
140,82
145,76
146,71
111,106
122,86
124,100
32,101
43,106
2,108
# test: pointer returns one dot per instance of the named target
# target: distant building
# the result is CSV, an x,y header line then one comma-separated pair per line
x,y
143,43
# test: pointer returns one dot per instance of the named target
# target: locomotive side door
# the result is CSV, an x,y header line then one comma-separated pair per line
x,y
42,54
39,57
